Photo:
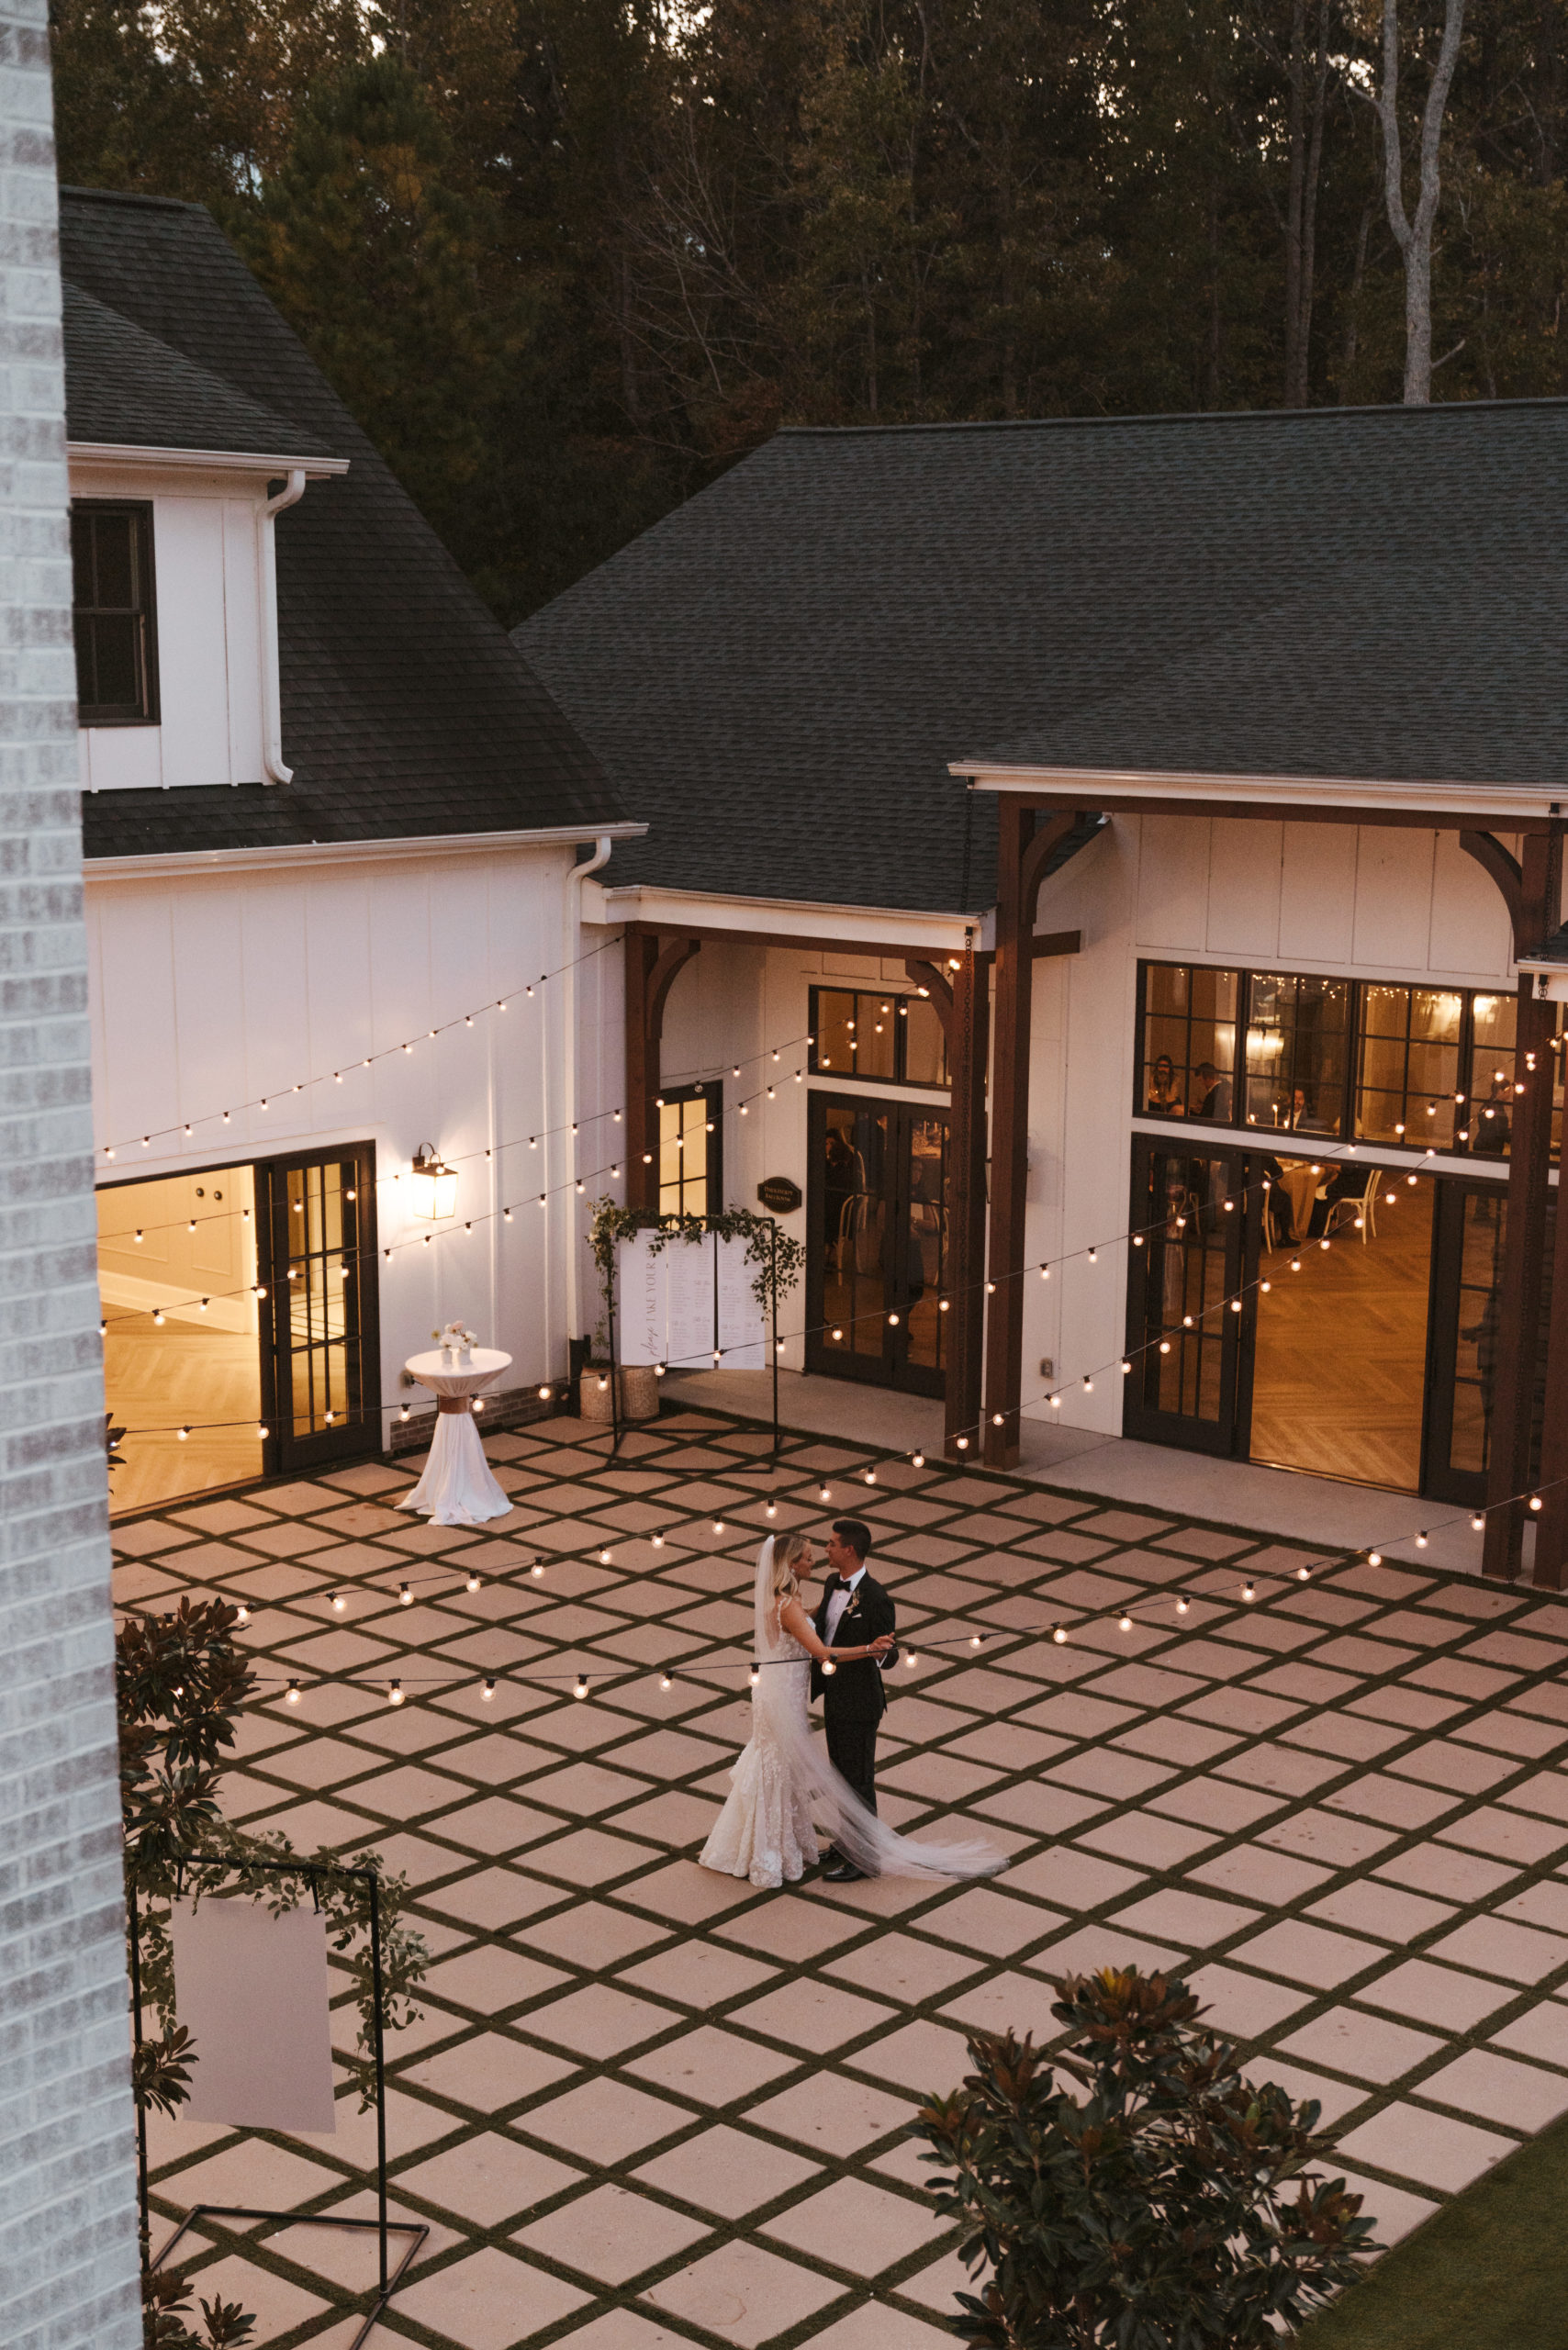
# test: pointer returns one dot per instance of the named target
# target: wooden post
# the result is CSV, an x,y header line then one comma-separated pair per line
x,y
649,978
1022,854
642,952
1518,1301
963,1004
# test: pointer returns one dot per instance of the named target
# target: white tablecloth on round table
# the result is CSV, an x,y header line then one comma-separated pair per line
x,y
457,1488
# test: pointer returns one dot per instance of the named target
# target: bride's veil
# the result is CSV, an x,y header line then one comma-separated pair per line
x,y
779,1698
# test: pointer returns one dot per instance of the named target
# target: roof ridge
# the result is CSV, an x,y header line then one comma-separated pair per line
x,y
1383,408
128,196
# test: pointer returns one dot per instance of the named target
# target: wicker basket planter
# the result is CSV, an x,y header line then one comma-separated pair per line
x,y
636,1391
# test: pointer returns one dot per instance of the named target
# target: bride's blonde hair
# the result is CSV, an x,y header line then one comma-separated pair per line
x,y
787,1549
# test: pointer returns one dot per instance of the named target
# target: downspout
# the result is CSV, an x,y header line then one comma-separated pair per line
x,y
575,879
273,768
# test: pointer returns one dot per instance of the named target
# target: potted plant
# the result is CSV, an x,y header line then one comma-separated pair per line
x,y
1153,2198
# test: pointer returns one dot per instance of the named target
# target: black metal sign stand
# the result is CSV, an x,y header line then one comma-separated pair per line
x,y
390,2277
773,1334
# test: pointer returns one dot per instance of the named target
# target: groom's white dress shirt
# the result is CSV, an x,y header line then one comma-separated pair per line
x,y
838,1601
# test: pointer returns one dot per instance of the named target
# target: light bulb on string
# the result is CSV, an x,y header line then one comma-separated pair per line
x,y
1058,1634
1374,1557
917,1461
394,1694
472,1582
339,1603
487,1693
291,1696
582,1688
405,1595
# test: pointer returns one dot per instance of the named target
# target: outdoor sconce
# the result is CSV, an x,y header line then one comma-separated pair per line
x,y
434,1184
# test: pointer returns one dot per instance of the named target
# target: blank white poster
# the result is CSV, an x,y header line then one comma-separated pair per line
x,y
741,1331
253,1992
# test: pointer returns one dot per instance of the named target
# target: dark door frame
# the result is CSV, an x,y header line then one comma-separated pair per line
x,y
891,1368
360,1430
1228,1435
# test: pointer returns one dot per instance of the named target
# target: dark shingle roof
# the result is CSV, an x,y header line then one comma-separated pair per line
x,y
406,709
786,664
126,389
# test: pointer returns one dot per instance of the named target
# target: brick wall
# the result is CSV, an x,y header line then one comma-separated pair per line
x,y
68,2265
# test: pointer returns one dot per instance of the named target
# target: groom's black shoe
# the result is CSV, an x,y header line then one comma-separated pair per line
x,y
844,1873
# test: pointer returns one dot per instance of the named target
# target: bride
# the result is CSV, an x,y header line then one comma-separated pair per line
x,y
765,1831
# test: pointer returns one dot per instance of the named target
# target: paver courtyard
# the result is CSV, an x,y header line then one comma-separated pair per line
x,y
646,2106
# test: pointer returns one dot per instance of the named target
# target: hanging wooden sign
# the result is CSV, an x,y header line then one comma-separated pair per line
x,y
780,1195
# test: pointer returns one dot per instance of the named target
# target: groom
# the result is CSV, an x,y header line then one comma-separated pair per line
x,y
856,1609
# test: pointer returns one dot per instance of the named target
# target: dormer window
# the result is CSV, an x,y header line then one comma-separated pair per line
x,y
117,648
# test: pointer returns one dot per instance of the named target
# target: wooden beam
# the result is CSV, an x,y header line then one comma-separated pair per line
x,y
1530,1156
650,975
1022,854
1057,942
1506,871
640,953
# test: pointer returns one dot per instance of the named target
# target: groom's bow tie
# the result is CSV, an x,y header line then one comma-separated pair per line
x,y
837,1583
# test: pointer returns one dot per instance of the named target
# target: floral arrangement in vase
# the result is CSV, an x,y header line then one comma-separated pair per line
x,y
455,1340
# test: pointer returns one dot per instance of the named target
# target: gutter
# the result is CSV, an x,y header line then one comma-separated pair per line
x,y
186,864
602,845
273,768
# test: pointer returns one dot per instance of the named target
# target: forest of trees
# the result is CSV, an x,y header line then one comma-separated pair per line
x,y
565,260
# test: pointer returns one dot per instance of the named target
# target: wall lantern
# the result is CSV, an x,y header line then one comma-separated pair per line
x,y
435,1184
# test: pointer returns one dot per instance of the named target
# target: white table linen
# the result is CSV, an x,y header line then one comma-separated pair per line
x,y
457,1488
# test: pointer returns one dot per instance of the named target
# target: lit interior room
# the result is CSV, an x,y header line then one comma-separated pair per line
x,y
176,1278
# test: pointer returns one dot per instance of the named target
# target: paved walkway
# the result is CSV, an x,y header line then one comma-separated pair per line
x,y
646,2106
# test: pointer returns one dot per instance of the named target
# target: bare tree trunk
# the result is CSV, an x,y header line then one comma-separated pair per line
x,y
1299,392
1414,237
1353,306
1294,197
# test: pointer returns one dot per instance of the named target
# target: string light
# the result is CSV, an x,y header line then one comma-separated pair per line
x,y
489,1691
394,1694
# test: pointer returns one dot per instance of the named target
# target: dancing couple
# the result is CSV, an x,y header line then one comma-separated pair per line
x,y
782,1786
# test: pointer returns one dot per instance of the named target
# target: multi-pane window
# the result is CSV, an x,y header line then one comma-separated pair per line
x,y
1488,1111
1408,1061
692,1120
889,1038
1368,1061
1189,1041
1297,1048
117,659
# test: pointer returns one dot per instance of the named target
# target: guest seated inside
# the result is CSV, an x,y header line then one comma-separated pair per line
x,y
1164,1091
1347,1182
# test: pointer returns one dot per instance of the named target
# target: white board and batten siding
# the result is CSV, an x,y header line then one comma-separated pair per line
x,y
206,563
213,991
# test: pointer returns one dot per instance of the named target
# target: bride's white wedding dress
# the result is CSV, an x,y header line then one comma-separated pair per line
x,y
783,1784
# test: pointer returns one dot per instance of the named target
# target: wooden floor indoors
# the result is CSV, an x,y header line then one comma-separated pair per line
x,y
1341,1351
158,1381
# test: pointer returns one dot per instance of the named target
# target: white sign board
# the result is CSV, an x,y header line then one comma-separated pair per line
x,y
254,1993
680,1302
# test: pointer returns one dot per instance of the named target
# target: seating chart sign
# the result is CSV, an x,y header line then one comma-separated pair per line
x,y
680,1303
253,1990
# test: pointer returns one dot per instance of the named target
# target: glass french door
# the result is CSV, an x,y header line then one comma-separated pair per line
x,y
1463,1340
321,1370
1192,1355
879,1226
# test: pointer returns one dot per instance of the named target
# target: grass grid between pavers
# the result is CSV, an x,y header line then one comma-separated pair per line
x,y
1237,1768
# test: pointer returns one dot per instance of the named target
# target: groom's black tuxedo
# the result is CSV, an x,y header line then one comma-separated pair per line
x,y
854,1699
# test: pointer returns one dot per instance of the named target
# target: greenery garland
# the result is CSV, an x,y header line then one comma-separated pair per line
x,y
779,1258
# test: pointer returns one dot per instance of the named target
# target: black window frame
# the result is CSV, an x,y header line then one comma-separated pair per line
x,y
899,999
710,1091
1466,1139
143,610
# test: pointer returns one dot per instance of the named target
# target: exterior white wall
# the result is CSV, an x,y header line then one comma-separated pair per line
x,y
210,991
1371,902
206,549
